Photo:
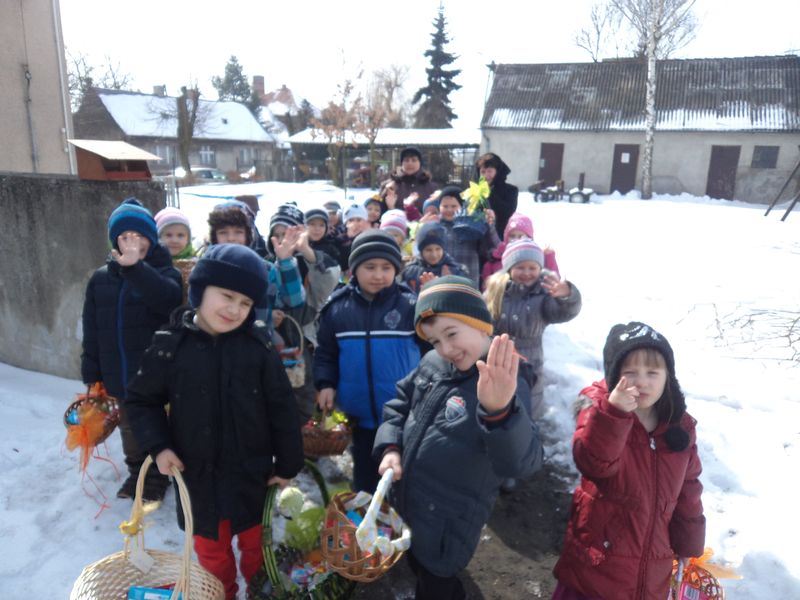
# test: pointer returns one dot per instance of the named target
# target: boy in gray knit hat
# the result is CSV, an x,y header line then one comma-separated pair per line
x,y
463,405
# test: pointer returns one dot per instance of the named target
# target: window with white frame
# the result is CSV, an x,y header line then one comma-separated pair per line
x,y
207,156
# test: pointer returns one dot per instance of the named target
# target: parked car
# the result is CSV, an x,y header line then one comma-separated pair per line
x,y
203,175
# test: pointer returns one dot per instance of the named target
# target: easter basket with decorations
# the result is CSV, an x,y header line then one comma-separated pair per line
x,y
140,573
90,419
326,433
363,537
470,223
698,579
294,568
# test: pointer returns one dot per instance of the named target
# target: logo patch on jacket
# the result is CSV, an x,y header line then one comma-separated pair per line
x,y
392,318
455,408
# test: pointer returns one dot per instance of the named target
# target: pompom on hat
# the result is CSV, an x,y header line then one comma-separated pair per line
x,y
287,214
455,297
626,338
233,267
131,215
522,250
171,216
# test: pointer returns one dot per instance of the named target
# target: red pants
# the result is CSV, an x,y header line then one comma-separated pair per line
x,y
216,556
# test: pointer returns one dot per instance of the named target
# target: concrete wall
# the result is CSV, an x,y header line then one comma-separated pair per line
x,y
35,120
680,160
54,236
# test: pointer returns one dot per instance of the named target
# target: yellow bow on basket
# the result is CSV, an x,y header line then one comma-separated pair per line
x,y
476,195
699,579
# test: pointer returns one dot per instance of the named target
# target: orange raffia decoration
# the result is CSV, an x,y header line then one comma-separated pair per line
x,y
703,576
89,420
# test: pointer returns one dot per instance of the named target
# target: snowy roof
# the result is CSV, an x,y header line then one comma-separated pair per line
x,y
114,150
400,137
709,94
147,115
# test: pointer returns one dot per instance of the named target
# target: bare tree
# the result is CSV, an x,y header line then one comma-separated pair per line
x,y
188,104
336,120
114,78
81,75
389,84
595,38
662,27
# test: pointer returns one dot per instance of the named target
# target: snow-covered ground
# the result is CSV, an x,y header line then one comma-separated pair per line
x,y
715,277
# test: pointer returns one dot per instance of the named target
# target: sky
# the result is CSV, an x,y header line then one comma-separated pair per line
x,y
700,289
313,45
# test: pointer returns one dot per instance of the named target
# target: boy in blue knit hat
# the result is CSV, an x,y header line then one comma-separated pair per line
x,y
126,300
232,426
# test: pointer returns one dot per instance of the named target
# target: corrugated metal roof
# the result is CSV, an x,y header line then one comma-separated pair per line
x,y
710,94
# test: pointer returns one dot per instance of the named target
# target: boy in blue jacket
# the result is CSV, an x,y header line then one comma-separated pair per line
x,y
463,406
365,344
126,300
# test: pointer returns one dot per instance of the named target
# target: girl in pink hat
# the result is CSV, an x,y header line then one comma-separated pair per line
x,y
174,232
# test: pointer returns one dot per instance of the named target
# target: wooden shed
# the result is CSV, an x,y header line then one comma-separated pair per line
x,y
106,160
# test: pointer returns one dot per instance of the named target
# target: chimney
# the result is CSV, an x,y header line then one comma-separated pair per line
x,y
258,85
159,90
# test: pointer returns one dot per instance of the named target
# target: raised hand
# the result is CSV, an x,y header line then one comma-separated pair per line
x,y
426,277
497,379
557,288
624,397
132,248
287,246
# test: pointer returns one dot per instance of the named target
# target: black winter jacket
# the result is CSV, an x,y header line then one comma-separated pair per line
x,y
502,198
453,460
232,421
122,308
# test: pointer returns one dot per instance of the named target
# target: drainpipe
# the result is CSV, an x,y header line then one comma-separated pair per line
x,y
65,108
34,153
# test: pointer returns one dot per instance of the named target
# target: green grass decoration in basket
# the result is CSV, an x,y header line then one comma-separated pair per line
x,y
294,569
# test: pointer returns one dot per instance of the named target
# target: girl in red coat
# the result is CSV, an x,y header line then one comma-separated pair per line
x,y
638,504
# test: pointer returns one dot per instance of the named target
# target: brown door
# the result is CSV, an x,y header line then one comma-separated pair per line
x,y
722,171
623,171
550,161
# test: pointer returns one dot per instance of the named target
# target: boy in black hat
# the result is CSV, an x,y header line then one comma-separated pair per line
x,y
462,406
432,257
365,344
126,300
232,426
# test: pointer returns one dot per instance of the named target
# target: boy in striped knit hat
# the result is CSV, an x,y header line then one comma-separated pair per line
x,y
463,405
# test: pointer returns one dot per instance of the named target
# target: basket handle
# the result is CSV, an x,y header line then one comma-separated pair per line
x,y
299,330
184,578
367,532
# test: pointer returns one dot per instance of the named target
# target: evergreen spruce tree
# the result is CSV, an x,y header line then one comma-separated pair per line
x,y
435,111
235,86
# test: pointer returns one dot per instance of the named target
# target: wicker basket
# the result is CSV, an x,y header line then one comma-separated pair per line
x,y
318,441
110,578
697,579
268,583
293,359
185,266
340,543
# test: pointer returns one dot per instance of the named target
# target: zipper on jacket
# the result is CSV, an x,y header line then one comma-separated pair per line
x,y
370,383
123,360
643,564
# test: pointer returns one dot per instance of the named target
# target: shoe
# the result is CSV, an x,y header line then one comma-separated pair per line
x,y
128,489
155,487
508,486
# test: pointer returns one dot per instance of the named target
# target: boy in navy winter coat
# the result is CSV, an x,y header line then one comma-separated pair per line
x,y
232,427
365,344
456,428
432,259
126,300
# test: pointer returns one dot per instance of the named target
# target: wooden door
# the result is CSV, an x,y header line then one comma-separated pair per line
x,y
550,162
623,170
722,171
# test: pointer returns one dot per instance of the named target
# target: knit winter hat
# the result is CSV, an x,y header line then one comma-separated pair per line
x,y
287,214
332,206
432,201
453,191
131,215
520,222
316,213
374,243
410,151
395,220
430,234
355,211
624,339
455,297
233,267
171,216
520,250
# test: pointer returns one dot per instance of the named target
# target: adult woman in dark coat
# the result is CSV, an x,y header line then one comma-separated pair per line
x,y
410,179
503,196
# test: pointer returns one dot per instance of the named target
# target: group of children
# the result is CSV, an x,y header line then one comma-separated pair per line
x,y
431,371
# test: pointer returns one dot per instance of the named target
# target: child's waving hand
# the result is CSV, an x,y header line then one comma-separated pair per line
x,y
557,288
497,381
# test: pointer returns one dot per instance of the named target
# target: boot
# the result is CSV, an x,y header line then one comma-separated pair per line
x,y
155,486
128,488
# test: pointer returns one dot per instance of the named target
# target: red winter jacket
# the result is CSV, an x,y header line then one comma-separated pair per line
x,y
637,506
